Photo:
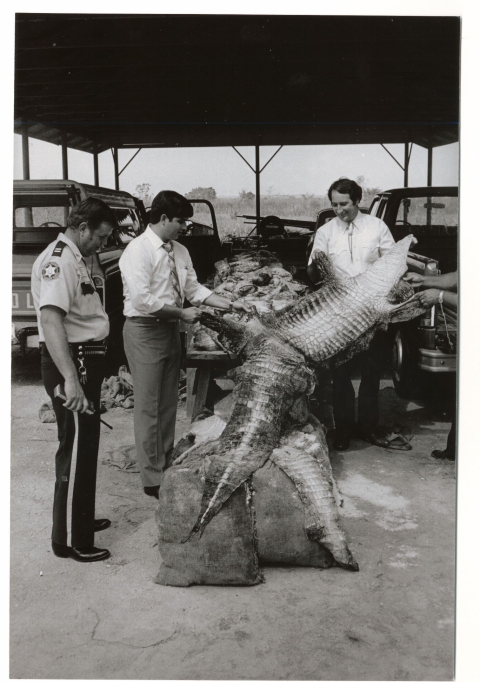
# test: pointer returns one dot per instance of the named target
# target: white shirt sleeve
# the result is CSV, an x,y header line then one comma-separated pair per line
x,y
58,283
386,241
136,266
320,243
194,292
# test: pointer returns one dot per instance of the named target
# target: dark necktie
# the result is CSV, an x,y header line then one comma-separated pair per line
x,y
168,246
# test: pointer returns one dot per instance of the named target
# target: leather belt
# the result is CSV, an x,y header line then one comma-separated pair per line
x,y
83,348
89,348
152,320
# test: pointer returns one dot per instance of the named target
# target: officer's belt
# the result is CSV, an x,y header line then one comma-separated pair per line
x,y
89,347
85,347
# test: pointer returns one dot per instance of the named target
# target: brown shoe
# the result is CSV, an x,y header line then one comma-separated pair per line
x,y
443,454
341,441
152,490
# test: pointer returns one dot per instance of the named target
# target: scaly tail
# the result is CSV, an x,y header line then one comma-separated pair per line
x,y
300,457
221,481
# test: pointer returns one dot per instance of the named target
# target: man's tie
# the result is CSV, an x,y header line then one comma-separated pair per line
x,y
168,246
350,239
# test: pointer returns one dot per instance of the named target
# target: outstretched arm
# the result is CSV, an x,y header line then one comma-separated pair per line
x,y
447,282
223,303
432,296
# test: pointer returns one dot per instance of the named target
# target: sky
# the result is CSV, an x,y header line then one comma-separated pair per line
x,y
294,170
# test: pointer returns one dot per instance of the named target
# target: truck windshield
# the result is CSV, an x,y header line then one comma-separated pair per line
x,y
128,225
423,212
201,222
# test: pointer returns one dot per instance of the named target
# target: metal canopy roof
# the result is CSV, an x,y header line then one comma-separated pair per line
x,y
100,81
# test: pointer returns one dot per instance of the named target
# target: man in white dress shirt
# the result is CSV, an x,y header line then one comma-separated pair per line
x,y
354,241
157,276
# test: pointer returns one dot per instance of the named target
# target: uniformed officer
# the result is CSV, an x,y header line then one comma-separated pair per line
x,y
73,327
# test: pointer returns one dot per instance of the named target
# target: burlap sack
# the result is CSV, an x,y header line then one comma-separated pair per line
x,y
280,519
225,554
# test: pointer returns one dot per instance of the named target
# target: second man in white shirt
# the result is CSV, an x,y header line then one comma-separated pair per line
x,y
157,276
354,241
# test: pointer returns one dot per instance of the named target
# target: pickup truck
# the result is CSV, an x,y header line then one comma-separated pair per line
x,y
40,212
425,347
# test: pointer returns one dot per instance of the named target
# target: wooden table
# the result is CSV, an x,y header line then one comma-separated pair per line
x,y
201,365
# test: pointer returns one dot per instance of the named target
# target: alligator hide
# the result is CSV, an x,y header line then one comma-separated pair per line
x,y
330,320
269,385
304,458
334,322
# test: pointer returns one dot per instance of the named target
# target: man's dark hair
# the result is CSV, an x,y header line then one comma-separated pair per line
x,y
172,204
92,211
346,186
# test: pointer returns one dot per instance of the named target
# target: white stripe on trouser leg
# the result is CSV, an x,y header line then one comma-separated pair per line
x,y
71,480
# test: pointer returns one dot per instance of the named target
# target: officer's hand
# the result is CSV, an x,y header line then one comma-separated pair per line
x,y
429,297
76,400
242,305
190,315
414,278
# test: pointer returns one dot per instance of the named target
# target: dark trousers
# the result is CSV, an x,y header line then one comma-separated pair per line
x,y
371,363
452,436
76,458
153,350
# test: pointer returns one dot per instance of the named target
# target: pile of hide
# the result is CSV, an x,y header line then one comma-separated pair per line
x,y
210,514
254,276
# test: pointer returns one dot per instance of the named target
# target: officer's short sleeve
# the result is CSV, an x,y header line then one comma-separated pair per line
x,y
58,283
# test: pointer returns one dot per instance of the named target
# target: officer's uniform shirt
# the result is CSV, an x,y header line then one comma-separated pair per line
x,y
353,250
60,278
146,276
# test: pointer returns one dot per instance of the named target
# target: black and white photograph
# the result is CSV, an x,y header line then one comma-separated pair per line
x,y
235,346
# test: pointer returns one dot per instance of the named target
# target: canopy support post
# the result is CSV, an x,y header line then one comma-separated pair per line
x,y
25,153
429,181
115,164
405,166
64,157
96,177
429,164
257,182
257,170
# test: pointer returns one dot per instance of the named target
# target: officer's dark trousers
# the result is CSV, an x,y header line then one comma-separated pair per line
x,y
76,458
371,363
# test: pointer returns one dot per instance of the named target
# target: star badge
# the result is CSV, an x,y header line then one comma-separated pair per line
x,y
50,271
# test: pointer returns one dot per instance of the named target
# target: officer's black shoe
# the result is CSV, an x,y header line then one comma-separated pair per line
x,y
88,554
60,550
341,441
443,454
152,490
101,524
83,554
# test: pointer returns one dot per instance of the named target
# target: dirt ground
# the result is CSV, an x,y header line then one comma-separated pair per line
x,y
393,620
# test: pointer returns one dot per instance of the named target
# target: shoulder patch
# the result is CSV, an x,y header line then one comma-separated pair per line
x,y
50,271
57,251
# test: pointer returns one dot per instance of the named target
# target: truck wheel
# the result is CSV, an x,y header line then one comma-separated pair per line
x,y
403,368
